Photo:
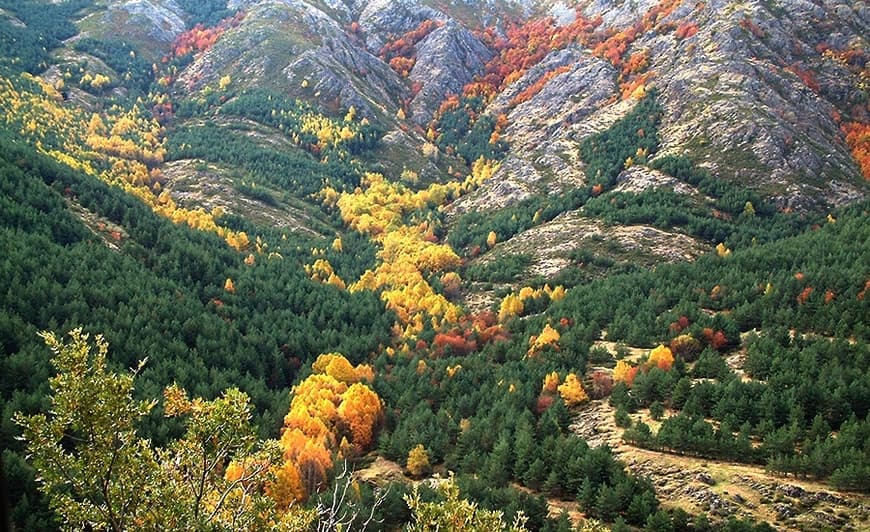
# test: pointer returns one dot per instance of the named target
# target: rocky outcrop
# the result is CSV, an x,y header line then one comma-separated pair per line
x,y
735,103
640,178
543,132
293,47
152,24
447,59
550,244
381,19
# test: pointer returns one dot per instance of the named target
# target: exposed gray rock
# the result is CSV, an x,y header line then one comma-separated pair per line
x,y
447,59
705,478
162,19
567,99
793,491
318,61
785,511
640,178
381,19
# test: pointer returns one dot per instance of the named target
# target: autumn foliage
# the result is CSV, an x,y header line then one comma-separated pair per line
x,y
858,140
661,357
522,47
624,372
410,251
516,304
200,38
122,147
806,76
331,412
549,338
602,385
572,391
686,30
401,53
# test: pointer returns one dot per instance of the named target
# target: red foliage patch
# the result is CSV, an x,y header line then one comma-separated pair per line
x,y
199,38
804,295
681,323
686,30
806,76
544,402
715,339
401,52
602,385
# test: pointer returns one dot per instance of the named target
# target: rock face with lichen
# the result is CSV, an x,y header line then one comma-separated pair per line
x,y
755,92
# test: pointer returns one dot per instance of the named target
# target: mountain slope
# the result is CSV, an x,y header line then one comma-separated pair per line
x,y
483,203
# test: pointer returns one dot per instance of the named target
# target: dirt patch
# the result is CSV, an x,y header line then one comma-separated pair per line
x,y
381,472
723,489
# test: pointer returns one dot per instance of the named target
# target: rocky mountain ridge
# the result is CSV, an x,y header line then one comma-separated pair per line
x,y
745,92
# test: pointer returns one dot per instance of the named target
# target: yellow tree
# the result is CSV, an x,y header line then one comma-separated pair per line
x,y
549,337
661,357
360,411
551,382
624,372
510,306
418,461
572,391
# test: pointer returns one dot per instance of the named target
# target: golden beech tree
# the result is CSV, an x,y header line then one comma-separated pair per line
x,y
549,337
572,391
551,383
624,372
331,412
661,357
360,410
511,306
418,461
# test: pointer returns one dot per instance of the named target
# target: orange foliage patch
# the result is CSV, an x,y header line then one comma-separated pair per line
x,y
686,30
636,63
804,295
401,52
614,47
858,140
715,339
200,38
402,65
324,414
524,46
635,87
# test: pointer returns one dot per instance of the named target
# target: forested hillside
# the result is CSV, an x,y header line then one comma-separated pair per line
x,y
525,266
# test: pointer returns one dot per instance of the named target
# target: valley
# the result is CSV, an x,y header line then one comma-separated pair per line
x,y
558,265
